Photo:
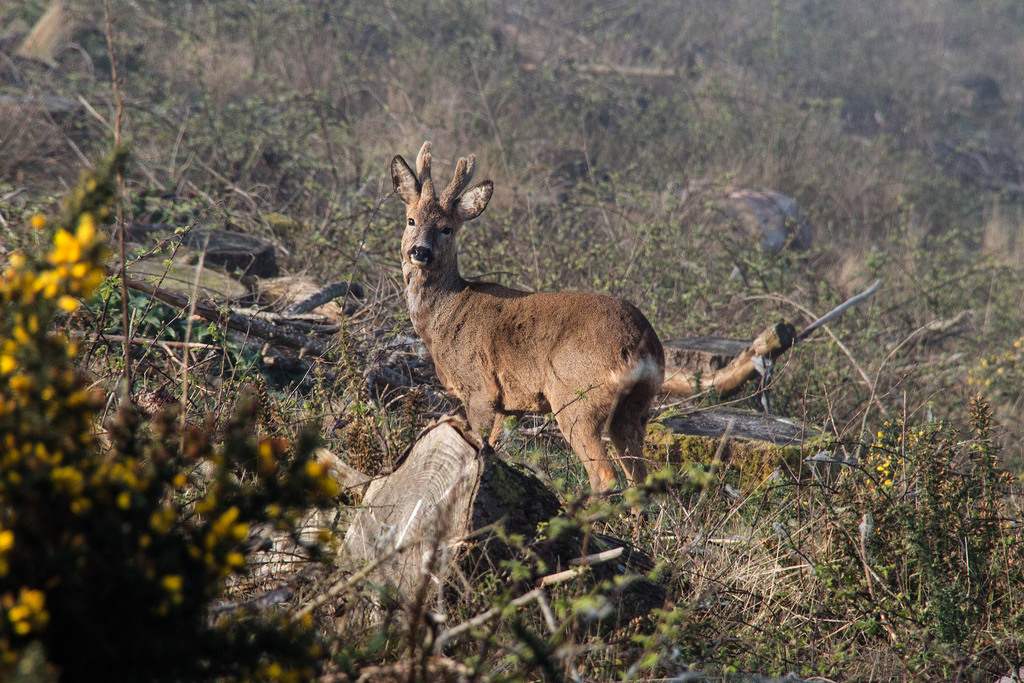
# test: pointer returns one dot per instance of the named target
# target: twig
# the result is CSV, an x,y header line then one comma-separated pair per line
x,y
597,558
340,588
323,296
837,311
874,385
562,576
596,69
12,194
122,261
143,341
188,333
491,120
92,110
483,618
381,198
716,463
545,610
247,196
581,564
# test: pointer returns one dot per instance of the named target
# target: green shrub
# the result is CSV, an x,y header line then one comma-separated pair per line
x,y
932,557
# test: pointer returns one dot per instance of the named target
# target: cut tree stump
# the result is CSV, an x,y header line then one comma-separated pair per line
x,y
437,512
756,445
740,424
442,493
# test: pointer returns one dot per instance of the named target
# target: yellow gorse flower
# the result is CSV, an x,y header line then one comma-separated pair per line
x,y
172,583
67,303
86,233
66,248
29,612
67,480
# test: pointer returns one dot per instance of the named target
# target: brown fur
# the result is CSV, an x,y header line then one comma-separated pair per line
x,y
592,359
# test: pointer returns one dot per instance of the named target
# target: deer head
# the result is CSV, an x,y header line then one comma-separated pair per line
x,y
431,223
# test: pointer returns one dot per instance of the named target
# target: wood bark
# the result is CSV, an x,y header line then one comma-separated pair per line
x,y
443,492
740,424
722,365
437,513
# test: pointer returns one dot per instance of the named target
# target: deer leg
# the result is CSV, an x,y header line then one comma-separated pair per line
x,y
583,432
498,428
484,415
628,439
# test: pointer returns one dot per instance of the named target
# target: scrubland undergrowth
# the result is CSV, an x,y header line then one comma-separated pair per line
x,y
137,497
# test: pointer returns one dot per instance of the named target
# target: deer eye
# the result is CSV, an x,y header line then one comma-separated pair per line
x,y
412,221
446,231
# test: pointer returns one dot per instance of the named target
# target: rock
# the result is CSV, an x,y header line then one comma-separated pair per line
x,y
770,216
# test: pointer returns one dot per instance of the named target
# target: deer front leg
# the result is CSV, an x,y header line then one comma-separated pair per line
x,y
484,418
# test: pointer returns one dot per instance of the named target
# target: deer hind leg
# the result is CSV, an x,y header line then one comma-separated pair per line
x,y
628,439
627,427
582,429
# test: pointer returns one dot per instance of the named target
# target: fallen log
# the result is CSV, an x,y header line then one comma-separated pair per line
x,y
691,369
264,329
234,251
693,366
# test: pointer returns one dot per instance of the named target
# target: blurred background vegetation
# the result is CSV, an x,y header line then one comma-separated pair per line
x,y
609,131
612,131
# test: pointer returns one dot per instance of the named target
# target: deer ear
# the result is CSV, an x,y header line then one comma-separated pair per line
x,y
474,201
407,186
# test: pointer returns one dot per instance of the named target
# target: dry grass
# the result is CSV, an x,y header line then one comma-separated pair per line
x,y
280,121
48,35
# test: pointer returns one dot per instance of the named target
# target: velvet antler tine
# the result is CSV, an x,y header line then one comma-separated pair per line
x,y
464,171
423,155
427,190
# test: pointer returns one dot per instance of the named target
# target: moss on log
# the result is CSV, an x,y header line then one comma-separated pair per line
x,y
757,446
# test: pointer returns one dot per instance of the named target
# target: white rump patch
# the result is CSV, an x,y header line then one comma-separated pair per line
x,y
646,370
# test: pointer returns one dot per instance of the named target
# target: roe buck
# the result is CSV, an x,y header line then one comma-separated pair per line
x,y
591,358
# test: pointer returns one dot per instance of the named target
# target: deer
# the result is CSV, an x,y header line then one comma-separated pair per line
x,y
591,359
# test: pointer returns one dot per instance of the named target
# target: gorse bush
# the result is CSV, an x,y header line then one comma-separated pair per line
x,y
111,545
930,552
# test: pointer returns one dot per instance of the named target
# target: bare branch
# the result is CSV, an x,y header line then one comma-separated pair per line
x,y
837,311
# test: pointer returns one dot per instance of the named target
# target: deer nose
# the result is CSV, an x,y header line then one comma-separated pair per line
x,y
421,256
